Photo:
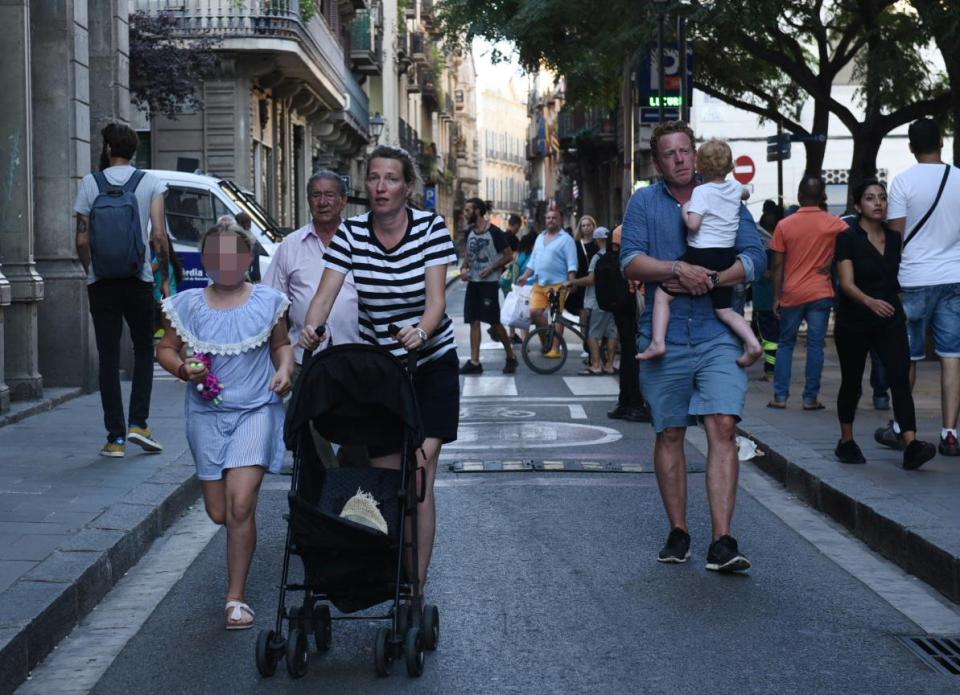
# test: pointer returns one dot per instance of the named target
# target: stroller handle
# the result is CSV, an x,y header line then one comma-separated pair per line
x,y
411,354
310,355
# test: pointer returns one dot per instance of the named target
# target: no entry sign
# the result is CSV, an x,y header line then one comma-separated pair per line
x,y
744,169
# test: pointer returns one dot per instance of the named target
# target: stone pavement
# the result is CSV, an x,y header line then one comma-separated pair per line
x,y
73,522
911,517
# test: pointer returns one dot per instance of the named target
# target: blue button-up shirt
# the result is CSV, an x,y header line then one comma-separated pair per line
x,y
654,227
552,263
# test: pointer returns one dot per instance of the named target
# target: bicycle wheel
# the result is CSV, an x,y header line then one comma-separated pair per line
x,y
535,351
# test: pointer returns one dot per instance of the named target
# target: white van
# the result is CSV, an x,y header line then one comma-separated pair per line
x,y
193,204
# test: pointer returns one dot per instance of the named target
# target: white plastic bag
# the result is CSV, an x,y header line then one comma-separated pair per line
x,y
515,311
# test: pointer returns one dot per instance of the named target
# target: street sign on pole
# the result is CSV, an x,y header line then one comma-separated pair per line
x,y
778,147
430,197
744,169
808,137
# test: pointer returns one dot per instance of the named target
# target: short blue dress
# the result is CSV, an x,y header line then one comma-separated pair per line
x,y
246,428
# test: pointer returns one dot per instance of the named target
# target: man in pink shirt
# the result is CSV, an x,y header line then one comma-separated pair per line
x,y
298,264
803,245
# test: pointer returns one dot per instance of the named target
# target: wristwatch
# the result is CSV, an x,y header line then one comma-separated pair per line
x,y
715,279
422,334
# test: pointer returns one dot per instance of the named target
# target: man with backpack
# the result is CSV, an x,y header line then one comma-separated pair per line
x,y
614,294
119,214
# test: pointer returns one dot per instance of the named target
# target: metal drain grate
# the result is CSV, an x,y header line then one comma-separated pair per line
x,y
942,654
579,466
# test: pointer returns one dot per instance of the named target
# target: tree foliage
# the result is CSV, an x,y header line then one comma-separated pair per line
x,y
769,57
167,70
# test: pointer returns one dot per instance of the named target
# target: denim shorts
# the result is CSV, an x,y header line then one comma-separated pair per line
x,y
936,305
693,380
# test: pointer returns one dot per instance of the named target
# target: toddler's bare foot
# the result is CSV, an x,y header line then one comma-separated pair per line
x,y
750,355
652,352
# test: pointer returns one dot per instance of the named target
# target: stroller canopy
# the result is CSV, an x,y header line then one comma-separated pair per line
x,y
355,395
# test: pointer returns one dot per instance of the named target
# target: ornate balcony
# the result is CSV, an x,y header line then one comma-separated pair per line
x,y
366,49
305,53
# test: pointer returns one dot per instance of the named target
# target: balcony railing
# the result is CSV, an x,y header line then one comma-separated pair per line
x,y
418,45
428,86
358,106
366,44
409,138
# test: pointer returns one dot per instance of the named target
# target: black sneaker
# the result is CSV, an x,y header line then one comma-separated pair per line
x,y
677,547
849,452
618,413
948,445
510,367
471,368
887,437
881,401
724,556
637,415
918,453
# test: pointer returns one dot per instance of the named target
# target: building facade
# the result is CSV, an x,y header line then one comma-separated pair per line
x,y
295,90
502,113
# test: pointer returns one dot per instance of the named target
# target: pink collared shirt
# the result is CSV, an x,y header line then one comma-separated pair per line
x,y
295,270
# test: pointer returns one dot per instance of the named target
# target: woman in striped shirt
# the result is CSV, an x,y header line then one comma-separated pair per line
x,y
398,257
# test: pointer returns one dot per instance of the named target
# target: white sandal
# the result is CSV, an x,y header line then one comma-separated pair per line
x,y
235,619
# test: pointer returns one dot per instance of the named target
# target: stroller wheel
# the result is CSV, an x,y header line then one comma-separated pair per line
x,y
298,651
430,627
413,651
322,628
267,653
381,652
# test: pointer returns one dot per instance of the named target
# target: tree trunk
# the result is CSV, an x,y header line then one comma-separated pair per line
x,y
863,165
817,150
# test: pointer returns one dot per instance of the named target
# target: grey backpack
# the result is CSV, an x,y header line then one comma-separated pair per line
x,y
116,237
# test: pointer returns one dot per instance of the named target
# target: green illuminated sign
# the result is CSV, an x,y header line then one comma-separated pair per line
x,y
674,101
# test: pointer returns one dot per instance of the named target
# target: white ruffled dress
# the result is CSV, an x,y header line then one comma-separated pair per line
x,y
246,429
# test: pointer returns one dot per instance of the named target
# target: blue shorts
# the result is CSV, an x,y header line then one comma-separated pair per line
x,y
692,381
939,305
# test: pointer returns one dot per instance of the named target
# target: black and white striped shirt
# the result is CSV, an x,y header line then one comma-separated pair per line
x,y
391,283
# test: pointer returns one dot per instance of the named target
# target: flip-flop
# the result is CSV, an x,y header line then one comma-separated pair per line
x,y
777,405
236,616
814,406
612,372
589,372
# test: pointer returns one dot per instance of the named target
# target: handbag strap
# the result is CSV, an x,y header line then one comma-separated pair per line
x,y
923,220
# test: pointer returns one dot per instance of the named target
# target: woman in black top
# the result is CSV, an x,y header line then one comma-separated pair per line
x,y
870,317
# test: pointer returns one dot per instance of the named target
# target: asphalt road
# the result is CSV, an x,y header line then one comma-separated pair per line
x,y
547,581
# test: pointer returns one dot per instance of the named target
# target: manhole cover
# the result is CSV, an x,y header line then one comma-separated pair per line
x,y
530,435
942,654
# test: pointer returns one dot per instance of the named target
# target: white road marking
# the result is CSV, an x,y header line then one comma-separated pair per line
x,y
592,385
577,412
488,386
907,594
81,659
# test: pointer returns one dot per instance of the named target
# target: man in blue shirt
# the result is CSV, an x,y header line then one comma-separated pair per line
x,y
552,265
699,376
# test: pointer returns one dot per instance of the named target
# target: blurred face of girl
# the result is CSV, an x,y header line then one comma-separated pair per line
x,y
587,228
873,204
386,189
226,259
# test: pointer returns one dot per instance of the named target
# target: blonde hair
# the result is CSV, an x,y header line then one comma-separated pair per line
x,y
714,159
579,233
228,228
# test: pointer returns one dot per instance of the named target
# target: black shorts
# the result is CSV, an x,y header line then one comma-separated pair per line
x,y
437,385
716,259
482,302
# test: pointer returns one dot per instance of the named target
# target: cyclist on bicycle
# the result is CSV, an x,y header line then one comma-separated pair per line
x,y
552,265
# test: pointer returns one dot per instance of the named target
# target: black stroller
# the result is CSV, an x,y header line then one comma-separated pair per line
x,y
353,395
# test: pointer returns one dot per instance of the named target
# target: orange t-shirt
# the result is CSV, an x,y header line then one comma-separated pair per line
x,y
807,238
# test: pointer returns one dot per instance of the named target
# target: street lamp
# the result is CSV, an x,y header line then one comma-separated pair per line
x,y
376,127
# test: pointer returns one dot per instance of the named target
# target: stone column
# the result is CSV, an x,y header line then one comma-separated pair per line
x,y
20,365
4,302
61,148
